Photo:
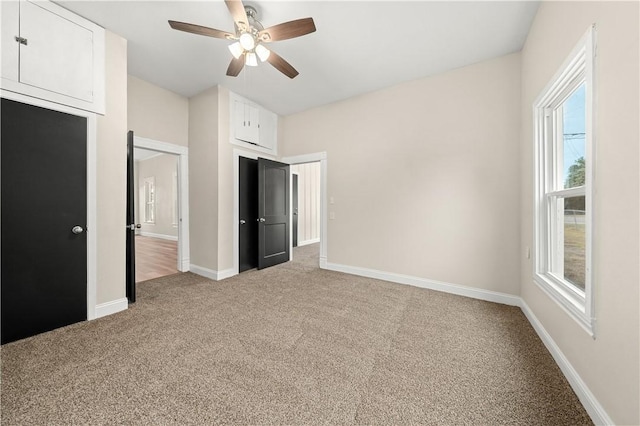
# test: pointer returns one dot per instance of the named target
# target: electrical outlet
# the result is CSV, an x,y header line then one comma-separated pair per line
x,y
332,215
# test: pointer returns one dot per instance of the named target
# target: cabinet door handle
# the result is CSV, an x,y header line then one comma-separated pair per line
x,y
21,40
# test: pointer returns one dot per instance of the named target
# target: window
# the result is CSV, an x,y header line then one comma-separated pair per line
x,y
564,180
149,200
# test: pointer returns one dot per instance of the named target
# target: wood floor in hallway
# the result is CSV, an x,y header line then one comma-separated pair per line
x,y
155,257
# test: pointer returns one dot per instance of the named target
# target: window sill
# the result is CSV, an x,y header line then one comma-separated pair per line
x,y
562,297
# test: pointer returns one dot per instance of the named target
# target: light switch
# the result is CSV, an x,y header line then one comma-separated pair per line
x,y
331,200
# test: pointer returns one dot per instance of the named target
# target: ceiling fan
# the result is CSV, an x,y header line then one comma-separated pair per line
x,y
250,36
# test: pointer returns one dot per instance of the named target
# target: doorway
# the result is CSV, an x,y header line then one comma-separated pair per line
x,y
311,170
156,213
161,208
263,225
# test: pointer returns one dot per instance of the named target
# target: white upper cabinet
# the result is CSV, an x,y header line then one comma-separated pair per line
x,y
253,126
53,54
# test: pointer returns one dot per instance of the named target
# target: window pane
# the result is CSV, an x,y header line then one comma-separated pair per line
x,y
574,131
574,241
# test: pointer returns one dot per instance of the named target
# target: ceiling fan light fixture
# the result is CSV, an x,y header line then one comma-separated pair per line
x,y
247,41
236,49
251,59
262,52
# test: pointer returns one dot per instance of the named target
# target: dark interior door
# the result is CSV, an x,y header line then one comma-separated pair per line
x,y
131,223
44,215
294,207
248,206
273,211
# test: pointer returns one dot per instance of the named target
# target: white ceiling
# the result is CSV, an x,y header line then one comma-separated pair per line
x,y
359,46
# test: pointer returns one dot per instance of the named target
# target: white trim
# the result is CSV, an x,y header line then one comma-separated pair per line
x,y
163,147
307,242
183,192
460,290
161,236
323,159
92,204
109,308
586,397
578,67
211,274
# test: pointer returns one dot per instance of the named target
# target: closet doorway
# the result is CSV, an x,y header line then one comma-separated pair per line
x,y
264,213
160,192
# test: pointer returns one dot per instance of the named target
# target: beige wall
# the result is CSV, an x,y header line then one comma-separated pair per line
x,y
609,364
203,179
424,175
156,113
111,175
308,201
163,169
226,223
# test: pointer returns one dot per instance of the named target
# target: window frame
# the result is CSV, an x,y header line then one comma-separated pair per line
x,y
578,69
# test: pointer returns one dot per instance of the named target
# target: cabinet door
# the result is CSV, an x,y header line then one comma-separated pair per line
x,y
58,55
253,116
9,14
268,129
246,122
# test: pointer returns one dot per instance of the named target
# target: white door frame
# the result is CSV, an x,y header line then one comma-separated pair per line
x,y
183,192
313,158
92,206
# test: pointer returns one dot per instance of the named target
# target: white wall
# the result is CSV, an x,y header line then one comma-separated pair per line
x,y
156,113
203,179
111,175
162,168
609,365
308,202
424,175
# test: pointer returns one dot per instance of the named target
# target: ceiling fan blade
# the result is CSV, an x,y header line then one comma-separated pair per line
x,y
235,66
236,8
287,30
281,65
198,29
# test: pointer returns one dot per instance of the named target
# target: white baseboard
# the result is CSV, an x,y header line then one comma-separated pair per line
x,y
588,400
161,236
211,274
108,308
307,242
474,293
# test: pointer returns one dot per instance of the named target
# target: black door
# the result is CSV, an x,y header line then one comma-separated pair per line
x,y
248,205
131,223
294,206
273,211
44,214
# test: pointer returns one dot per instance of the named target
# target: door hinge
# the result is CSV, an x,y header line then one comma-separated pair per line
x,y
21,40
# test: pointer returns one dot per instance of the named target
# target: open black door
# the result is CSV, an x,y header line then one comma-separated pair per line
x,y
248,209
44,219
131,226
273,211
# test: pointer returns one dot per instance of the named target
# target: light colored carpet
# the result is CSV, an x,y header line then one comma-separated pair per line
x,y
291,344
